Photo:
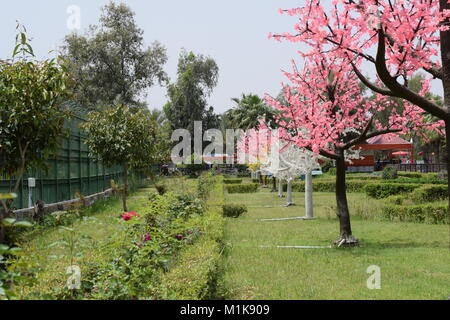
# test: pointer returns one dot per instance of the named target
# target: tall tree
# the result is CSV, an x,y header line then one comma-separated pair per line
x,y
31,113
197,77
406,36
111,63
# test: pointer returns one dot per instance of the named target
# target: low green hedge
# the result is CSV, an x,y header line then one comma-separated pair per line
x,y
241,188
197,268
328,186
424,213
429,193
233,210
384,190
232,181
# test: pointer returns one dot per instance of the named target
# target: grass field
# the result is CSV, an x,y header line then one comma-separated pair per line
x,y
414,258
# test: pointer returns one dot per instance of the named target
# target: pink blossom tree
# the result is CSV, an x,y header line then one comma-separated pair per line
x,y
325,111
396,37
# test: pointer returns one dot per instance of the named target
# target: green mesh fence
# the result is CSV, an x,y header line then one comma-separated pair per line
x,y
70,172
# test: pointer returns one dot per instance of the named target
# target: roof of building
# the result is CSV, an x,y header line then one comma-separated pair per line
x,y
389,138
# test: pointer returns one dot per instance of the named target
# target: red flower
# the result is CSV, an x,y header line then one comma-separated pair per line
x,y
126,217
132,213
146,237
179,237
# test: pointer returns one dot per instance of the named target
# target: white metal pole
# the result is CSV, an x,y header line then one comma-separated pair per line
x,y
289,193
280,188
309,196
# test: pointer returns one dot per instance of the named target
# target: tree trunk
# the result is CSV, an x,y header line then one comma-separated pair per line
x,y
125,188
309,196
280,188
289,194
445,56
447,137
346,238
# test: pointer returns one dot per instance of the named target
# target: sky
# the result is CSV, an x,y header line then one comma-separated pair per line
x,y
233,32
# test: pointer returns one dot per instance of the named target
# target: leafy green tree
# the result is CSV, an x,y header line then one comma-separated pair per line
x,y
249,109
126,137
111,63
197,77
31,113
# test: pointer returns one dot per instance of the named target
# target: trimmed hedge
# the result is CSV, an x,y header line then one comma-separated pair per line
x,y
328,186
384,190
425,213
197,268
429,194
232,181
241,188
233,210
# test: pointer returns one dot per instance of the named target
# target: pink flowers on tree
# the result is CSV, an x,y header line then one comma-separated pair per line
x,y
324,110
397,38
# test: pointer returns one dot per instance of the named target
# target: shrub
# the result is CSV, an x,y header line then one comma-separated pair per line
x,y
241,188
205,184
389,173
429,194
233,210
161,189
332,171
409,174
232,181
196,270
255,180
328,186
384,190
425,213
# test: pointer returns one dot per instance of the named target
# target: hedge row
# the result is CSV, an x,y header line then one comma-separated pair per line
x,y
241,188
424,213
384,190
232,181
429,194
193,277
328,186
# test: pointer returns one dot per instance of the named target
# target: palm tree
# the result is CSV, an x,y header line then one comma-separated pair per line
x,y
248,111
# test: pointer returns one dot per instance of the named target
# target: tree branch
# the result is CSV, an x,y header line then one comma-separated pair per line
x,y
400,90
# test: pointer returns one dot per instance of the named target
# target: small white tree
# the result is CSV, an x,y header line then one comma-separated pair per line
x,y
286,162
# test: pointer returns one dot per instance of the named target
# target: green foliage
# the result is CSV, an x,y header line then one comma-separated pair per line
x,y
248,111
205,185
241,188
119,135
233,210
429,194
146,248
332,171
424,213
195,274
111,63
31,112
9,277
197,77
384,190
328,186
389,173
232,181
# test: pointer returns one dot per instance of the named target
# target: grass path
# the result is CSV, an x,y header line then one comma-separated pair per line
x,y
414,258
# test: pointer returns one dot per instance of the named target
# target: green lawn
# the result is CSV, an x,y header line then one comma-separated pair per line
x,y
414,258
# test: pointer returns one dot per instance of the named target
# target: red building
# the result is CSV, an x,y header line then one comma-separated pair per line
x,y
388,148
